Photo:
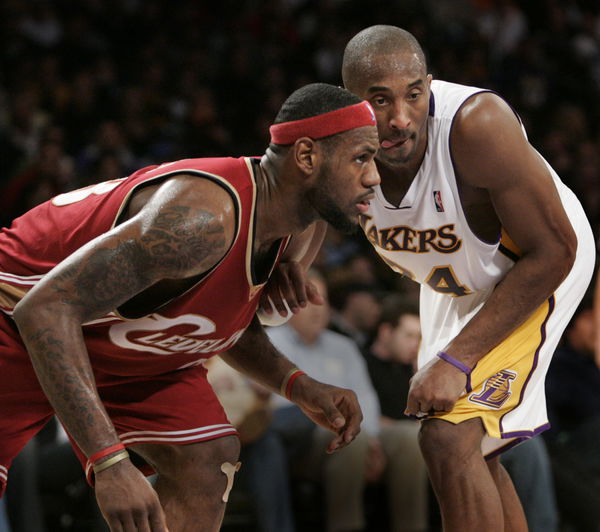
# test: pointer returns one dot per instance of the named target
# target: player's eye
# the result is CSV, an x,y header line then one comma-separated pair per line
x,y
379,101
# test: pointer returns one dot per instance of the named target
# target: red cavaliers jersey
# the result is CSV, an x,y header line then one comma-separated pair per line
x,y
205,320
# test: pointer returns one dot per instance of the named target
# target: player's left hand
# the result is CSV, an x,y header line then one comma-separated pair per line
x,y
335,409
435,388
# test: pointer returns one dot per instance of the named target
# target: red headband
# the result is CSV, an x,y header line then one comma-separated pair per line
x,y
323,125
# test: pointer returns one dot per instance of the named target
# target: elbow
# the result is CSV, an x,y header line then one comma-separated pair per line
x,y
31,311
21,312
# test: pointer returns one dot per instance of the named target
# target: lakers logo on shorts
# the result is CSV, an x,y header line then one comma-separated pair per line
x,y
496,390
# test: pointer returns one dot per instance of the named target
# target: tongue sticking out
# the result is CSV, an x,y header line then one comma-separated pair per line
x,y
390,143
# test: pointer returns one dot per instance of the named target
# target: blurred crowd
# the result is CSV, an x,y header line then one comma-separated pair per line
x,y
95,89
92,90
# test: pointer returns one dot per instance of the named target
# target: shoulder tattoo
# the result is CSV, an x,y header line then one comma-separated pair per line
x,y
177,240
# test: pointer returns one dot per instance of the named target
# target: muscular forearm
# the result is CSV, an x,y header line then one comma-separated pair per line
x,y
532,281
255,356
59,356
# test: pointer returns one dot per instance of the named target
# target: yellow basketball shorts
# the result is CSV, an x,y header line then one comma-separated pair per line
x,y
507,385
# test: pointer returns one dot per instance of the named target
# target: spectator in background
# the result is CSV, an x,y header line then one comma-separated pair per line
x,y
573,391
47,475
46,175
355,310
4,526
264,454
307,342
108,156
529,467
392,360
79,64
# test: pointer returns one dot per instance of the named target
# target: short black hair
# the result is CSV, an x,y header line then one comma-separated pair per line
x,y
377,40
313,100
395,306
340,292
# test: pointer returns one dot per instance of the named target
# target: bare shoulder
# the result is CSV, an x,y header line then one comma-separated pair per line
x,y
484,112
181,188
187,224
487,142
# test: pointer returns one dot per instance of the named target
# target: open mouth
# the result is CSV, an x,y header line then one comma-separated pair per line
x,y
363,206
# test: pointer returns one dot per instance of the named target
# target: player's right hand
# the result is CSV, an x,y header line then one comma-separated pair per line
x,y
435,388
127,500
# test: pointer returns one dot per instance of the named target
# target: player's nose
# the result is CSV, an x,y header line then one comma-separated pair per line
x,y
399,118
371,176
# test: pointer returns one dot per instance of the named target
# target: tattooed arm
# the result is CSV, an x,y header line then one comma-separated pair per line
x,y
184,229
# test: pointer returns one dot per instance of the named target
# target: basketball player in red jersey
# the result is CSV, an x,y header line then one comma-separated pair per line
x,y
118,292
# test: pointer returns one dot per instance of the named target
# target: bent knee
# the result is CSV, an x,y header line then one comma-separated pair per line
x,y
195,459
440,440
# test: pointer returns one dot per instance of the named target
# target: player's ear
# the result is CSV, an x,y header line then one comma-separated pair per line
x,y
306,155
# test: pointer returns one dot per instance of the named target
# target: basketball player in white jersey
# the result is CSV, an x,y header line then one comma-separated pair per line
x,y
503,252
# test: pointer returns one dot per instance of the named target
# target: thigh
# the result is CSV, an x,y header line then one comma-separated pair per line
x,y
441,440
192,462
175,409
508,384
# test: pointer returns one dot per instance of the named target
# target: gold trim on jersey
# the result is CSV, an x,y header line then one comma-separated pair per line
x,y
447,281
251,227
10,295
506,242
397,268
403,238
200,173
171,173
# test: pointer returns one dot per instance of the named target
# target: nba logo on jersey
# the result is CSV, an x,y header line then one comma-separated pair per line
x,y
496,390
437,199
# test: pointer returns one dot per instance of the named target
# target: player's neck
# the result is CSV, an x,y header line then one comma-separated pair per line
x,y
397,176
277,206
395,181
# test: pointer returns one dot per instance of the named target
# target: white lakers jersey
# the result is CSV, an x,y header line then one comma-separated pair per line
x,y
428,239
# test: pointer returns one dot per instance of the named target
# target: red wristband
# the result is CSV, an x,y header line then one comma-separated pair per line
x,y
105,452
290,383
98,456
